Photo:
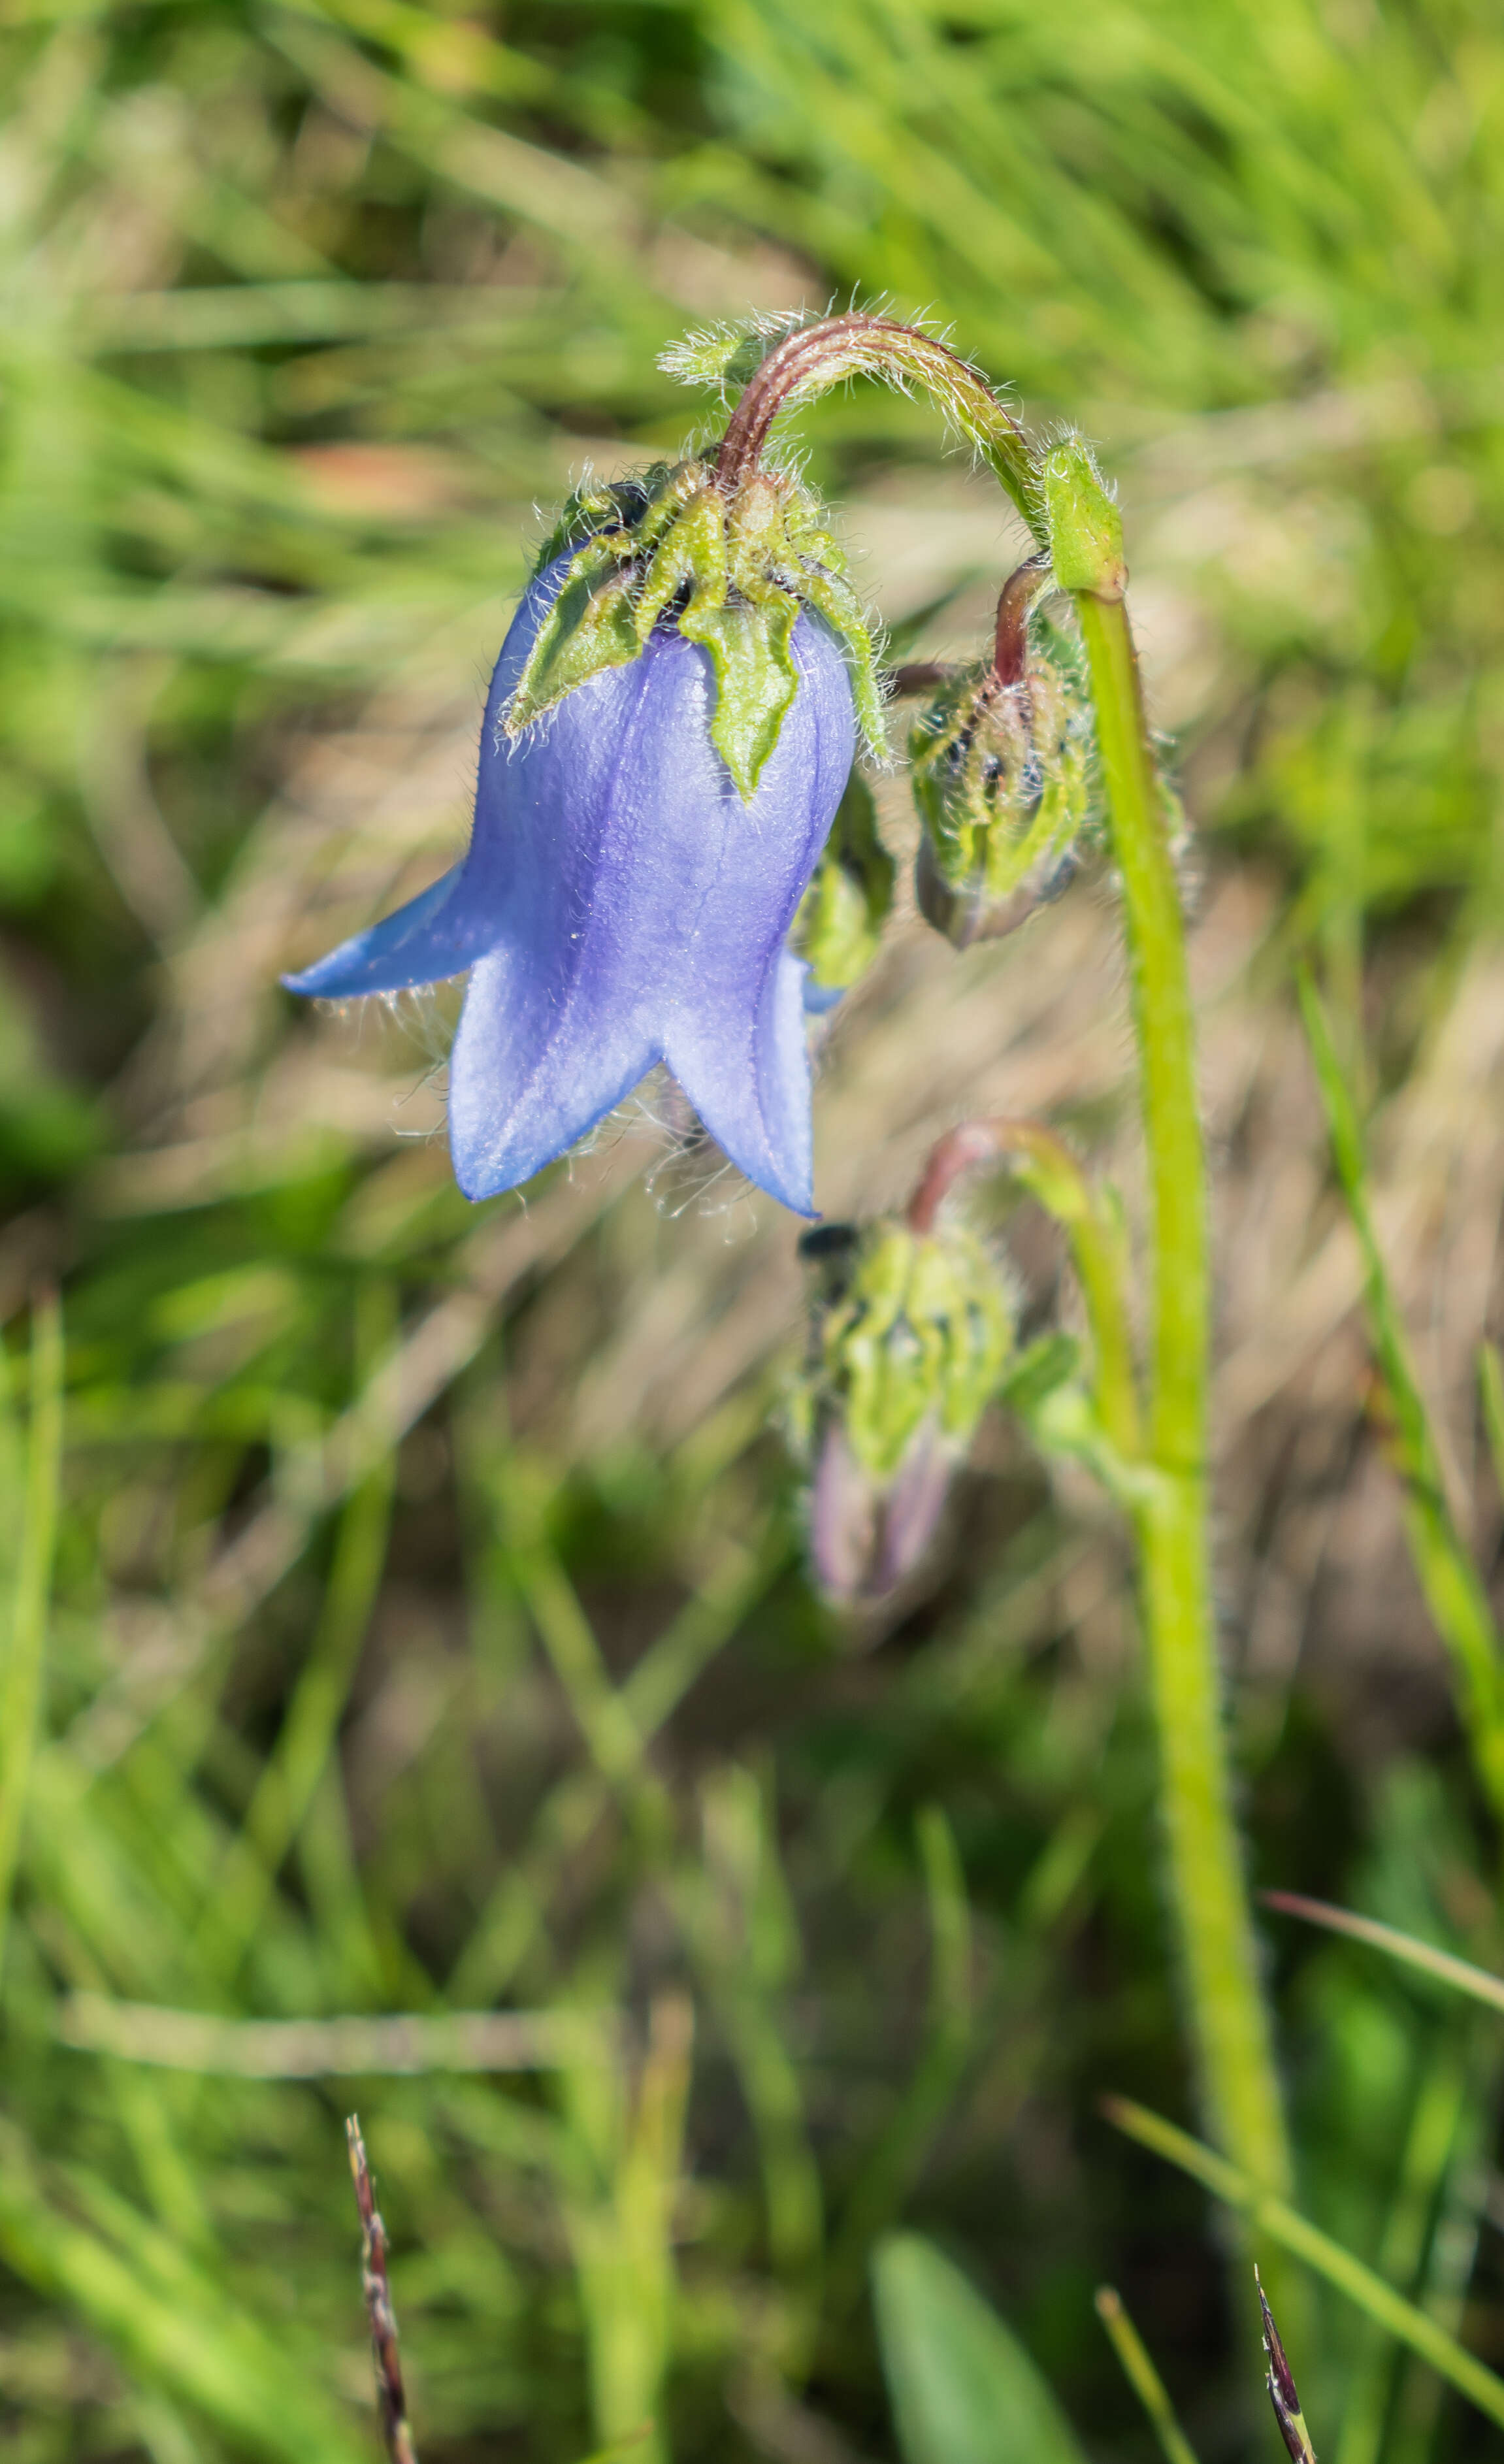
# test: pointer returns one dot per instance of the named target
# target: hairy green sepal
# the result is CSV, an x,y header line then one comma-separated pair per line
x,y
725,356
917,1330
1002,779
1086,527
730,570
842,914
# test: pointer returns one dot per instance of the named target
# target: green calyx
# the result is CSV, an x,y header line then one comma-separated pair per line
x,y
915,1330
732,570
1085,528
1002,779
842,914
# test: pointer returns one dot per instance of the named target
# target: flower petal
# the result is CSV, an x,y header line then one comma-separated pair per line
x,y
748,1077
425,940
451,924
529,1074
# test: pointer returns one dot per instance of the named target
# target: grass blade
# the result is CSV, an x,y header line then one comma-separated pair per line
x,y
1139,2369
1316,2250
405,2045
197,2350
1454,1592
1442,1965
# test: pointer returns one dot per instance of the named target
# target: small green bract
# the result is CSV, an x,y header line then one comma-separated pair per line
x,y
731,569
841,915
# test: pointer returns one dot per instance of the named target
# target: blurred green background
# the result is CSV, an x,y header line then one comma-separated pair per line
x,y
428,1628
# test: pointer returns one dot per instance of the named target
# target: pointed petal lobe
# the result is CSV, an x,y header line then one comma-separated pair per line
x,y
423,942
529,1075
749,1079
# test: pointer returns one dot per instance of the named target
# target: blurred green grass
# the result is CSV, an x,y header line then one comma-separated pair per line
x,y
411,1648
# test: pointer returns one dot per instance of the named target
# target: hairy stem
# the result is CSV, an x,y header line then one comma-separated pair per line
x,y
1010,628
1062,498
815,358
1206,1865
1047,1168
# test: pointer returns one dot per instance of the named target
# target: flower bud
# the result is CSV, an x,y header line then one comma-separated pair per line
x,y
842,914
1002,777
910,1335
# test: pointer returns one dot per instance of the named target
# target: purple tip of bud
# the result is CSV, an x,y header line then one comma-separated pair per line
x,y
620,906
866,1536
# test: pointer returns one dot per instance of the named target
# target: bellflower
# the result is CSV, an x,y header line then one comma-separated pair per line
x,y
669,730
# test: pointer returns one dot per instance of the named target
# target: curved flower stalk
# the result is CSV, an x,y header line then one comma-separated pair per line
x,y
1043,1164
625,901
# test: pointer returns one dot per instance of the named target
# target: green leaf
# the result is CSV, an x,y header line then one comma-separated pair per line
x,y
1050,1361
26,1643
167,2321
724,355
1480,1983
692,550
963,2389
837,603
591,625
755,678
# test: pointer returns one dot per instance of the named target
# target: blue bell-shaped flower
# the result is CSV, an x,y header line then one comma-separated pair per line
x,y
625,903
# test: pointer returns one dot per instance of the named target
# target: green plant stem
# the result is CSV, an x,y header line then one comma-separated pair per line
x,y
1229,2017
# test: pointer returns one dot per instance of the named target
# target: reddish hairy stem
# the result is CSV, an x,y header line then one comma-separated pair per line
x,y
1011,633
851,345
919,675
1010,638
963,1150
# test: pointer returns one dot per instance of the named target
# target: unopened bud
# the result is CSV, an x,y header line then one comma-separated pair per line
x,y
1001,776
911,1333
842,914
